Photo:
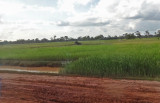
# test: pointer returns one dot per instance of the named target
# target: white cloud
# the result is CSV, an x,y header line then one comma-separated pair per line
x,y
68,5
11,8
39,8
108,17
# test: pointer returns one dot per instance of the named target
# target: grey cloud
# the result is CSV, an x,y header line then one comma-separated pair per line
x,y
148,12
148,25
92,19
90,23
104,30
150,15
85,23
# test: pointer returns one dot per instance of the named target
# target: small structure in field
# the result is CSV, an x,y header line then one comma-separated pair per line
x,y
77,43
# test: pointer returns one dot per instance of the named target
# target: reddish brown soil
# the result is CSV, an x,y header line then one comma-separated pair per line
x,y
25,88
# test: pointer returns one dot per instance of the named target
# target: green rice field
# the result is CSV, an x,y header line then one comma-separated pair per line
x,y
104,58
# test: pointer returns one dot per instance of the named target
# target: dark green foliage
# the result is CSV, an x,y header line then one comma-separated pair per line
x,y
129,36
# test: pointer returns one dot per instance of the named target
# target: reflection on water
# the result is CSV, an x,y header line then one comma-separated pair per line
x,y
27,71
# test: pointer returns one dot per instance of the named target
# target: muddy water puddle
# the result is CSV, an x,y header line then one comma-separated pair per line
x,y
49,70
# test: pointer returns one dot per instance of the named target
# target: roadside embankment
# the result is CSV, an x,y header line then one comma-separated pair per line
x,y
25,63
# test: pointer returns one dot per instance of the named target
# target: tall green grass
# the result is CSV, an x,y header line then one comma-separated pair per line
x,y
116,66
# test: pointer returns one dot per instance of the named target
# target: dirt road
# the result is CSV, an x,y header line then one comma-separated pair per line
x,y
25,88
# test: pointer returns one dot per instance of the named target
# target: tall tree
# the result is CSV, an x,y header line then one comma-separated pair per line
x,y
147,33
158,34
138,34
66,38
55,37
99,37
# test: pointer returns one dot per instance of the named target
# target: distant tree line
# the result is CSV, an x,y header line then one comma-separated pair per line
x,y
134,35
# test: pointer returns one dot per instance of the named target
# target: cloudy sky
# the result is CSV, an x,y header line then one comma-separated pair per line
x,y
29,19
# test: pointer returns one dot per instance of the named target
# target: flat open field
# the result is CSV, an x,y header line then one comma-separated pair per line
x,y
139,58
64,51
104,58
24,88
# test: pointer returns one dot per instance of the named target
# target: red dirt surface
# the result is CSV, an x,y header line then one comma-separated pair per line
x,y
25,88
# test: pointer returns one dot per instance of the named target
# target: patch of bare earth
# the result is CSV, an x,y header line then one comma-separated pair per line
x,y
25,88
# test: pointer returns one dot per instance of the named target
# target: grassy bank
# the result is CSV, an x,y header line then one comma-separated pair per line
x,y
30,63
116,66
